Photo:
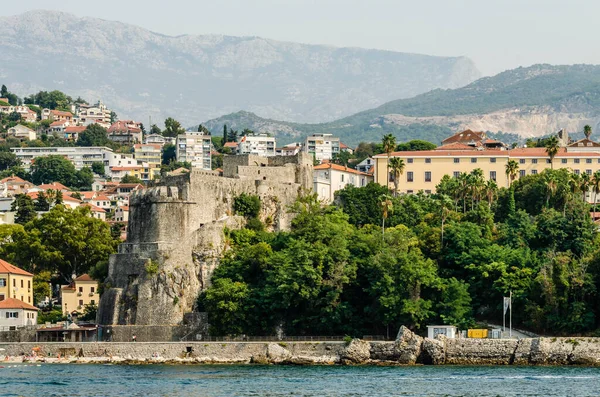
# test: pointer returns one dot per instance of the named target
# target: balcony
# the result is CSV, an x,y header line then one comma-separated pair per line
x,y
79,293
91,294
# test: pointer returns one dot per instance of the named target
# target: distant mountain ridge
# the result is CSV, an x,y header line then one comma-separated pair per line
x,y
193,78
532,101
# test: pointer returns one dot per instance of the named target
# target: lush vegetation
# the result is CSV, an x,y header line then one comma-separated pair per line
x,y
443,258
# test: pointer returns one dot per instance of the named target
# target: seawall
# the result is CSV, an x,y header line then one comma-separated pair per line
x,y
411,350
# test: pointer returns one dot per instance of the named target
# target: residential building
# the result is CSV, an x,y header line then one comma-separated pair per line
x,y
15,314
159,139
346,148
96,212
81,292
81,157
194,147
289,150
27,114
125,132
57,115
259,144
14,185
22,133
58,127
366,165
424,169
122,214
322,146
328,178
232,146
15,283
72,132
150,153
93,114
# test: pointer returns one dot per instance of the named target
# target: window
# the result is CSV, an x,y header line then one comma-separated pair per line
x,y
92,290
391,177
456,160
80,302
473,159
427,160
409,192
456,174
521,173
2,297
492,160
427,176
14,282
548,161
92,302
588,161
533,172
80,289
410,176
2,282
564,161
589,172
22,283
29,284
533,161
409,161
576,161
12,314
521,161
577,172
428,191
493,175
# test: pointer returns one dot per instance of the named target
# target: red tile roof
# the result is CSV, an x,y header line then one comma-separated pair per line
x,y
6,267
53,186
61,113
11,303
93,208
13,179
75,129
230,144
456,146
337,167
84,277
465,137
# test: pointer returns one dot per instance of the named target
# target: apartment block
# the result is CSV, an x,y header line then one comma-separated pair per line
x,y
260,145
322,146
194,147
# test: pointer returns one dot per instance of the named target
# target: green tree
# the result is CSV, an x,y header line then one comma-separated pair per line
x,y
587,131
552,147
414,145
512,168
24,208
203,129
397,165
93,135
154,129
98,168
389,144
131,179
169,153
387,207
172,128
41,203
41,286
8,160
53,168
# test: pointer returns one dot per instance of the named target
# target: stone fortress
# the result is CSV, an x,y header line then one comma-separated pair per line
x,y
175,235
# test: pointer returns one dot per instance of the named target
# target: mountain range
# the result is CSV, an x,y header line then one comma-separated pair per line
x,y
142,74
529,102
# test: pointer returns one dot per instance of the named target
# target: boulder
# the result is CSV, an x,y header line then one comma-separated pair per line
x,y
434,351
357,352
409,346
277,353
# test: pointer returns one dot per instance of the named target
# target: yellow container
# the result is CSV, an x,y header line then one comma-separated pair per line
x,y
477,333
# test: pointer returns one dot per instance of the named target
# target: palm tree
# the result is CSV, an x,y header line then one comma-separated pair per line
x,y
587,131
512,167
397,165
491,189
476,185
585,184
463,189
550,187
389,145
387,208
552,146
596,186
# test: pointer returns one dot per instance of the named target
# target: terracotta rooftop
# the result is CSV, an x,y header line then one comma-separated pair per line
x,y
11,303
337,167
84,277
6,267
13,179
53,186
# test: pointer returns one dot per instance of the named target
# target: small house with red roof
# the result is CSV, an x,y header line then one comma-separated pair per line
x,y
81,292
15,314
328,178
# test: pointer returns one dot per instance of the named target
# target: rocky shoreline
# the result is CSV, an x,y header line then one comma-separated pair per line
x,y
407,349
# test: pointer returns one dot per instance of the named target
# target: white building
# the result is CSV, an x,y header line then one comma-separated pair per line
x,y
322,146
366,165
328,178
289,150
260,145
448,331
194,147
80,156
93,114
125,131
15,314
21,132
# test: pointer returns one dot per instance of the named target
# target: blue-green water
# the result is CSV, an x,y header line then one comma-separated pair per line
x,y
155,380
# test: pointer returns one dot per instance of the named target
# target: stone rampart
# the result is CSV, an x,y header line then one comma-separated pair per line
x,y
175,235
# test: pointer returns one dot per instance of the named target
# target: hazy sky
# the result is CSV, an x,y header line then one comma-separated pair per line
x,y
496,34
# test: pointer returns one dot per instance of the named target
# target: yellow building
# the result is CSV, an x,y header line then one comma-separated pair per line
x,y
81,292
15,283
424,169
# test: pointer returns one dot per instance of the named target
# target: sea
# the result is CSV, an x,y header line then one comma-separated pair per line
x,y
253,380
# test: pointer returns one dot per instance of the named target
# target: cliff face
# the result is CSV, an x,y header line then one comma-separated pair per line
x,y
193,78
175,235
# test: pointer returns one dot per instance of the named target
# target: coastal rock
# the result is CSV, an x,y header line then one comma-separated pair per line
x,y
277,354
434,351
480,351
357,352
384,351
409,346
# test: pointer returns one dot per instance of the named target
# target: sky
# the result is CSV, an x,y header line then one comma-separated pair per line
x,y
496,34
